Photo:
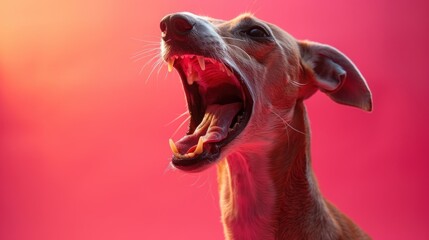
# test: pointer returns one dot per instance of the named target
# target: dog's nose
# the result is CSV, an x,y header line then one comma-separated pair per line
x,y
176,26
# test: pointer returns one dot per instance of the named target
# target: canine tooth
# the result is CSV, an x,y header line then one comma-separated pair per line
x,y
192,78
189,68
173,147
171,63
199,149
201,62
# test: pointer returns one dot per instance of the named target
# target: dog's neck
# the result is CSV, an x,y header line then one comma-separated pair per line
x,y
272,194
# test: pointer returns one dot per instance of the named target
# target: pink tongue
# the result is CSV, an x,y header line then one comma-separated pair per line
x,y
213,128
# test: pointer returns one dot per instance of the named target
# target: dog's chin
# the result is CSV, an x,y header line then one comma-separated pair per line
x,y
196,163
220,107
193,165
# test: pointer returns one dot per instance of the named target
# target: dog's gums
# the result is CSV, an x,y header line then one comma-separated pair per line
x,y
218,105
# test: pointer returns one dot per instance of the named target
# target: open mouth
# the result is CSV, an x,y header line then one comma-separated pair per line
x,y
219,105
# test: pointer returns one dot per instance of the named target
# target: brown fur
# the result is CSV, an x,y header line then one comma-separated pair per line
x,y
266,182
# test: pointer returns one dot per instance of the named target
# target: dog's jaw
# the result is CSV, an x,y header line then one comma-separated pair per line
x,y
219,99
220,106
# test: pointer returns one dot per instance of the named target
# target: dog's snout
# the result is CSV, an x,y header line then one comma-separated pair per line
x,y
176,26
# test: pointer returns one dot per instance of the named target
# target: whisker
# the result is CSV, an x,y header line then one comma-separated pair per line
x,y
184,174
145,41
145,51
204,182
287,125
149,45
180,126
165,75
252,6
146,55
298,84
245,53
159,69
177,118
196,181
154,65
168,168
234,39
150,60
210,190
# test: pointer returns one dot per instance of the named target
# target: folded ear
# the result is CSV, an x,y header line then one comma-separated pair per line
x,y
334,74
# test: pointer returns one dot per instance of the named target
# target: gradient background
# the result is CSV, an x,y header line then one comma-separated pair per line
x,y
83,138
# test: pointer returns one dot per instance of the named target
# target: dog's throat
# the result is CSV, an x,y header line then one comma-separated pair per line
x,y
214,127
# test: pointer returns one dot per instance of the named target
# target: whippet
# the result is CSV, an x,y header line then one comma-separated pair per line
x,y
245,81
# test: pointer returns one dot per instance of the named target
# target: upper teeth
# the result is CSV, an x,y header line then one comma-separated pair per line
x,y
201,62
170,63
189,72
193,77
193,74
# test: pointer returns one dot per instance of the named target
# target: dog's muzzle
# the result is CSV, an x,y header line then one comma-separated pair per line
x,y
218,100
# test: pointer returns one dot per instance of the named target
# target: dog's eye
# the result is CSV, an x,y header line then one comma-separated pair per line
x,y
257,32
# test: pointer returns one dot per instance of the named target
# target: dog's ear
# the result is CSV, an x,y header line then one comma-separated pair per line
x,y
334,74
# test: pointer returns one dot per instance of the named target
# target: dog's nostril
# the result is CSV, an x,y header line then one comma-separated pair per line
x,y
181,24
163,26
176,27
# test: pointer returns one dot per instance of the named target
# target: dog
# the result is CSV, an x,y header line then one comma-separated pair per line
x,y
245,81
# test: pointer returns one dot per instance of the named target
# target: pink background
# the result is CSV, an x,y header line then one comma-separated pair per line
x,y
84,140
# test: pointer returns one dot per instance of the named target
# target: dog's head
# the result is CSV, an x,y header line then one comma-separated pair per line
x,y
243,77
